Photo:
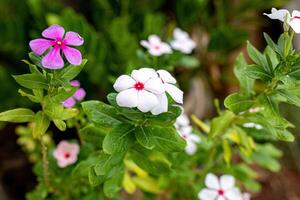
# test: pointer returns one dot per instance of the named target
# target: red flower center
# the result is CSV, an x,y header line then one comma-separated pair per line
x,y
58,42
67,155
297,17
139,86
221,192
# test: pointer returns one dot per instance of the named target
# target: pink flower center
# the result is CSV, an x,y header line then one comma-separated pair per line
x,y
157,47
184,136
67,155
139,86
297,17
58,42
221,192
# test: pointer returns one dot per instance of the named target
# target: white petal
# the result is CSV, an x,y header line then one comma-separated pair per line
x,y
146,101
246,196
165,48
128,98
194,138
279,14
233,194
166,76
175,93
142,75
145,43
182,120
187,130
211,181
155,86
190,148
123,82
162,105
156,52
180,34
207,194
227,182
295,24
154,39
150,71
221,198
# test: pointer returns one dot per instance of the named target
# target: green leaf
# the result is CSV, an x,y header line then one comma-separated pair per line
x,y
70,72
113,185
29,96
285,135
246,83
289,97
36,59
31,81
227,151
257,57
18,115
189,62
95,180
167,118
106,162
60,124
144,137
92,134
119,139
220,123
257,72
100,113
237,102
271,43
41,124
52,108
69,113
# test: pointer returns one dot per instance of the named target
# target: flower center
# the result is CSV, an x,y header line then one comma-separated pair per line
x,y
139,86
297,17
58,42
221,192
184,136
67,155
157,47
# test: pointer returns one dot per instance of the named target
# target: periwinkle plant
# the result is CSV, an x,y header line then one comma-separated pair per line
x,y
137,139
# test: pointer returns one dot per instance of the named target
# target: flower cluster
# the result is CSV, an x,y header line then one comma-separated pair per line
x,y
184,128
77,96
66,153
221,189
181,42
146,90
284,15
54,40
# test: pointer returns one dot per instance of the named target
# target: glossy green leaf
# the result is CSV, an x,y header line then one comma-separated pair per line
x,y
18,115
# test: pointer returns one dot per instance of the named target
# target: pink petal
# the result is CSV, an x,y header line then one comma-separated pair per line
x,y
73,38
69,103
54,32
75,83
72,55
53,59
79,94
39,46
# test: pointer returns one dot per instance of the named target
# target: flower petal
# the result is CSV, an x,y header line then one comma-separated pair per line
x,y
165,48
73,39
279,14
221,198
79,94
233,194
175,93
295,24
72,55
75,83
162,106
194,138
69,103
190,148
166,76
53,59
128,98
39,46
124,82
179,34
54,32
211,181
154,39
145,44
146,101
182,120
227,182
144,74
207,194
155,86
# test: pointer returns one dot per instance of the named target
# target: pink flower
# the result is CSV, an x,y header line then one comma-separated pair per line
x,y
78,95
55,40
155,46
66,153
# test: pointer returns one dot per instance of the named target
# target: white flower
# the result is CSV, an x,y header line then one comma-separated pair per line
x,y
255,109
139,90
184,129
246,196
283,14
253,125
182,41
168,83
155,46
220,189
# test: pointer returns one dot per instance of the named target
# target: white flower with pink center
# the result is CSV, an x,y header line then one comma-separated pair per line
x,y
66,153
139,90
284,15
155,46
168,83
220,189
182,41
246,196
185,130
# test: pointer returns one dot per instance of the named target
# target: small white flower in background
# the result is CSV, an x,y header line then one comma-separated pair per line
x,y
66,153
253,125
182,41
255,109
155,46
246,196
283,14
177,95
139,90
184,129
220,189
